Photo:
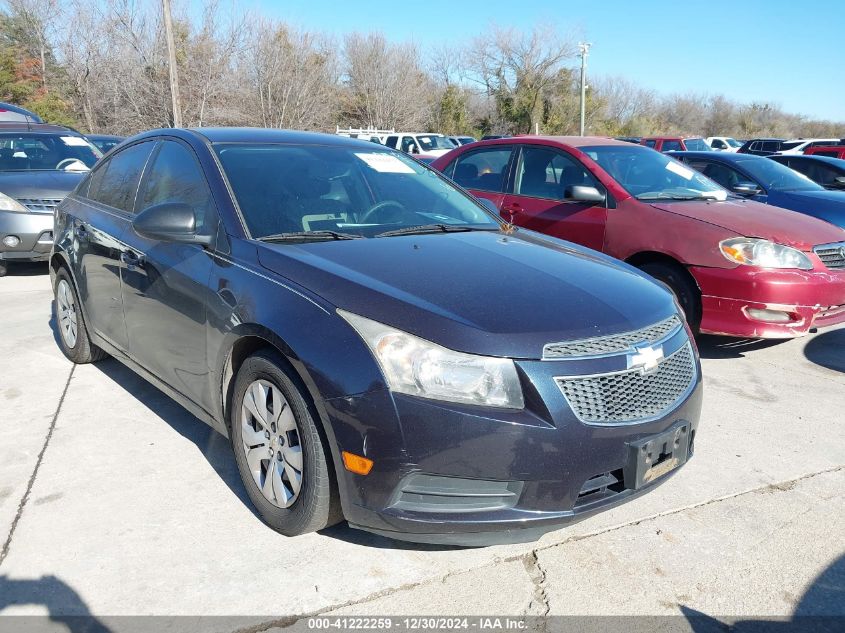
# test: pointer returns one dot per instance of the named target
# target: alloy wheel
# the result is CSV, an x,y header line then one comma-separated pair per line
x,y
270,440
66,313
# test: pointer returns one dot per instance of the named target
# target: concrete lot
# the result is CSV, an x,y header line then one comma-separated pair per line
x,y
116,501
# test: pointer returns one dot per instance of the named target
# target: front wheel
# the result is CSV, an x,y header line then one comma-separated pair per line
x,y
682,286
278,449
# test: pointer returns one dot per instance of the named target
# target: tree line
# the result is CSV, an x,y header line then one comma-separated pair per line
x,y
102,66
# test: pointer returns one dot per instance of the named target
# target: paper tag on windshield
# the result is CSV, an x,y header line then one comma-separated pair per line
x,y
385,163
682,171
75,141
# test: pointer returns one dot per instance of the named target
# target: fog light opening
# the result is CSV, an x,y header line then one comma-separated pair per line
x,y
11,241
771,316
357,464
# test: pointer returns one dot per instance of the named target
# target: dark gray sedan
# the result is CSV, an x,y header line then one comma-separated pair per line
x,y
39,166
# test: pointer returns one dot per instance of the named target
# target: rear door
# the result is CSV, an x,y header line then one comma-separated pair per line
x,y
539,200
165,284
101,214
484,171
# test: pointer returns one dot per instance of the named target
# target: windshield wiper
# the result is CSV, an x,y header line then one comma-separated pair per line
x,y
671,197
432,228
298,236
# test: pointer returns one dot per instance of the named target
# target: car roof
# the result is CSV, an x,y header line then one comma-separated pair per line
x,y
10,107
106,137
259,135
836,162
44,128
572,141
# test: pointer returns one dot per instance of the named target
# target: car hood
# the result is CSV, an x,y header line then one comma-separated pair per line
x,y
480,292
753,219
827,205
39,184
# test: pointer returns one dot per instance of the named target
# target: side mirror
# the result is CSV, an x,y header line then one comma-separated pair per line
x,y
170,222
583,193
489,205
746,189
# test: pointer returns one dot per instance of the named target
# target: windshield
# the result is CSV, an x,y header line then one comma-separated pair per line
x,y
733,142
649,175
359,192
773,175
430,142
41,152
697,145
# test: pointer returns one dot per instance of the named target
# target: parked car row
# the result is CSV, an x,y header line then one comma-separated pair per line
x,y
467,364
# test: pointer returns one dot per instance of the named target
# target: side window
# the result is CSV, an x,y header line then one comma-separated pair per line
x,y
651,143
391,141
670,146
408,144
771,146
720,173
546,173
484,169
115,183
175,176
755,146
718,144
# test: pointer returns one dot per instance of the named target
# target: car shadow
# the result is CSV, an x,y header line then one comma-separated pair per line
x,y
827,349
63,603
342,532
821,608
720,347
27,269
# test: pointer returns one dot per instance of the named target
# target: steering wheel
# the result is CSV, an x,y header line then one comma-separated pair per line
x,y
67,161
367,217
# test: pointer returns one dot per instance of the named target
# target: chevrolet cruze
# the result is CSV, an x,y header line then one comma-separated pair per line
x,y
376,344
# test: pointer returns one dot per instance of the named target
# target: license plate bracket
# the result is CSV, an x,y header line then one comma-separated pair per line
x,y
653,457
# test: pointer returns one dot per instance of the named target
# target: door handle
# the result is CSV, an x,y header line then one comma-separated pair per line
x,y
81,232
131,259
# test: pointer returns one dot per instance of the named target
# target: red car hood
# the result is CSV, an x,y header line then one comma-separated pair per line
x,y
754,219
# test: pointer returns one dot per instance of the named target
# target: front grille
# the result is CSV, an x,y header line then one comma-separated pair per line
x,y
631,395
832,255
613,344
43,205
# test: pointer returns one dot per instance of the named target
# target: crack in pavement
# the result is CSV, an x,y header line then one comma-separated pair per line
x,y
5,551
539,604
531,560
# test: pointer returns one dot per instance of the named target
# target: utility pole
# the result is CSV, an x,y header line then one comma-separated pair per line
x,y
584,48
174,72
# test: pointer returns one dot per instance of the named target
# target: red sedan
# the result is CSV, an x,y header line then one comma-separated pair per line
x,y
737,267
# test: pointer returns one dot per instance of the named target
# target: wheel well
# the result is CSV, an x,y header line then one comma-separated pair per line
x,y
650,257
56,262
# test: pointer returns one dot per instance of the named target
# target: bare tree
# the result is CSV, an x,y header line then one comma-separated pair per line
x,y
386,85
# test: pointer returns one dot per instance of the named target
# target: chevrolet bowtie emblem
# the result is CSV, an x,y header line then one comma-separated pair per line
x,y
646,358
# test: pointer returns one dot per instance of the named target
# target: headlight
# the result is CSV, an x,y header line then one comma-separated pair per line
x,y
763,253
418,367
10,204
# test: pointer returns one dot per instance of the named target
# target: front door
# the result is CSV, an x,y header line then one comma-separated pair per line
x,y
484,172
540,197
165,283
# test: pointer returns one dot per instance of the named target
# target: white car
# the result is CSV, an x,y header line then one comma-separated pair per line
x,y
723,143
798,145
420,143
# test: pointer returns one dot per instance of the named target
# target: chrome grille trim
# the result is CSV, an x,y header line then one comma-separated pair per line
x,y
631,396
832,255
614,343
40,205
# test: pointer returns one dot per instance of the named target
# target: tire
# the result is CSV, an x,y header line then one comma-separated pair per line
x,y
74,339
292,489
682,286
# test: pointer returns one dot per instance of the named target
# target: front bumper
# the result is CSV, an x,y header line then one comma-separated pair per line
x,y
462,475
35,232
730,297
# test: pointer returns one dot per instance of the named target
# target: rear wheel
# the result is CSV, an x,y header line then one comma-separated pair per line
x,y
74,339
278,449
682,286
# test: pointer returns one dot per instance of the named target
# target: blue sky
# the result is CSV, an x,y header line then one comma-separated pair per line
x,y
786,52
